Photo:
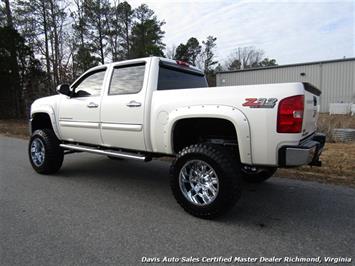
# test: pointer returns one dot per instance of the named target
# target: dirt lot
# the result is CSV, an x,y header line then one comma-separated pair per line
x,y
338,158
14,128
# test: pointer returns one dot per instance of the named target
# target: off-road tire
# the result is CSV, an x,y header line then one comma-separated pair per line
x,y
227,168
54,154
259,177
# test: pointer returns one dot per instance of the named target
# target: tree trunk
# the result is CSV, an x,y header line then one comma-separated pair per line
x,y
56,64
79,7
127,37
45,29
8,14
101,43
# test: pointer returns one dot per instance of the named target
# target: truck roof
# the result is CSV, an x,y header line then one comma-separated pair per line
x,y
163,59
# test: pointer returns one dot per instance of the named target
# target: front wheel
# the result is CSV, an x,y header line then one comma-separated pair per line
x,y
46,156
205,180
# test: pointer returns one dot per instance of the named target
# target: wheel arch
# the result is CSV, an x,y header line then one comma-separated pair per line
x,y
224,114
43,117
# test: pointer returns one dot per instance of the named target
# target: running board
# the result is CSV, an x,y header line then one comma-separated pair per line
x,y
103,152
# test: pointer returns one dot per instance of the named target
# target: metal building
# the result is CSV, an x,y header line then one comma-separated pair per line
x,y
335,78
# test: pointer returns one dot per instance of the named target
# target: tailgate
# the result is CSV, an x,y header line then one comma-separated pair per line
x,y
311,109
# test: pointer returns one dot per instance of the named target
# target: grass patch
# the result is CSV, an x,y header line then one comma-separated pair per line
x,y
326,123
338,166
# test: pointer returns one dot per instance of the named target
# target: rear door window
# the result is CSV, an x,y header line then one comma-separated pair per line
x,y
127,79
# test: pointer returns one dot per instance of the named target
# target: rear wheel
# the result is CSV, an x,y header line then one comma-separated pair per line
x,y
253,174
205,180
45,154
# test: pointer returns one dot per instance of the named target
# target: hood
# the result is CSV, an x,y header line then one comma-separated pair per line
x,y
47,100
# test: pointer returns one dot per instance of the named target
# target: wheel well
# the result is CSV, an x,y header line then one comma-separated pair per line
x,y
40,121
198,130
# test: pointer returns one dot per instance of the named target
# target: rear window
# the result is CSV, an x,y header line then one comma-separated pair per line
x,y
171,78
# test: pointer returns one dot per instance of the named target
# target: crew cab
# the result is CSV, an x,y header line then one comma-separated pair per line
x,y
152,107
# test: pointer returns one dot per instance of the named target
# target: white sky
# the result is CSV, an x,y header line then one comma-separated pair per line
x,y
289,31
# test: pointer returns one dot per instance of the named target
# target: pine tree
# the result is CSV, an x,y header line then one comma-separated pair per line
x,y
120,27
83,60
147,34
97,13
8,51
181,53
188,52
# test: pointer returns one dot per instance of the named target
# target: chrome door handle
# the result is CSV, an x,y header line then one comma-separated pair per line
x,y
133,104
92,105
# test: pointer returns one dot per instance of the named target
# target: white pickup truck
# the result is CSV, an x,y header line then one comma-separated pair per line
x,y
152,107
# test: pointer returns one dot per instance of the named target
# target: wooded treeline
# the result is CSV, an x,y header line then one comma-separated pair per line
x,y
44,43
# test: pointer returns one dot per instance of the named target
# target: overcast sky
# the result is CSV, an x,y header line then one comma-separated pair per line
x,y
289,31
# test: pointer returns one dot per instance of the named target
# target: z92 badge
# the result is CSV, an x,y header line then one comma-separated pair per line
x,y
260,102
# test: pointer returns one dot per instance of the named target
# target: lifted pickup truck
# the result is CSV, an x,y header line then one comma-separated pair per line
x,y
152,107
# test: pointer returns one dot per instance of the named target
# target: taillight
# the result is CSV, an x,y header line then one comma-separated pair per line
x,y
290,115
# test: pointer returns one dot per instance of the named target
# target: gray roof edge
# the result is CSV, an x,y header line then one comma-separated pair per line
x,y
290,65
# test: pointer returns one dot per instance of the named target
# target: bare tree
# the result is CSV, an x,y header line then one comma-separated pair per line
x,y
170,52
244,57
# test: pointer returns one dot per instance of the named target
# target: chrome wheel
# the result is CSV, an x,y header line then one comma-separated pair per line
x,y
37,152
198,182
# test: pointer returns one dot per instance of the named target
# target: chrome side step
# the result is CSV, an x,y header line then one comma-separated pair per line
x,y
104,152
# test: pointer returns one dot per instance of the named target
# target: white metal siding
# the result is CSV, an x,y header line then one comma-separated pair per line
x,y
335,79
338,84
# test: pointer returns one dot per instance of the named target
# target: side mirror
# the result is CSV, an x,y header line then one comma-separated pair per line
x,y
63,89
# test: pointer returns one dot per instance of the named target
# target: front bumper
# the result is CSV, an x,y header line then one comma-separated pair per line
x,y
307,152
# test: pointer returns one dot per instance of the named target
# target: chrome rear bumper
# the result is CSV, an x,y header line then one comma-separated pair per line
x,y
307,153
